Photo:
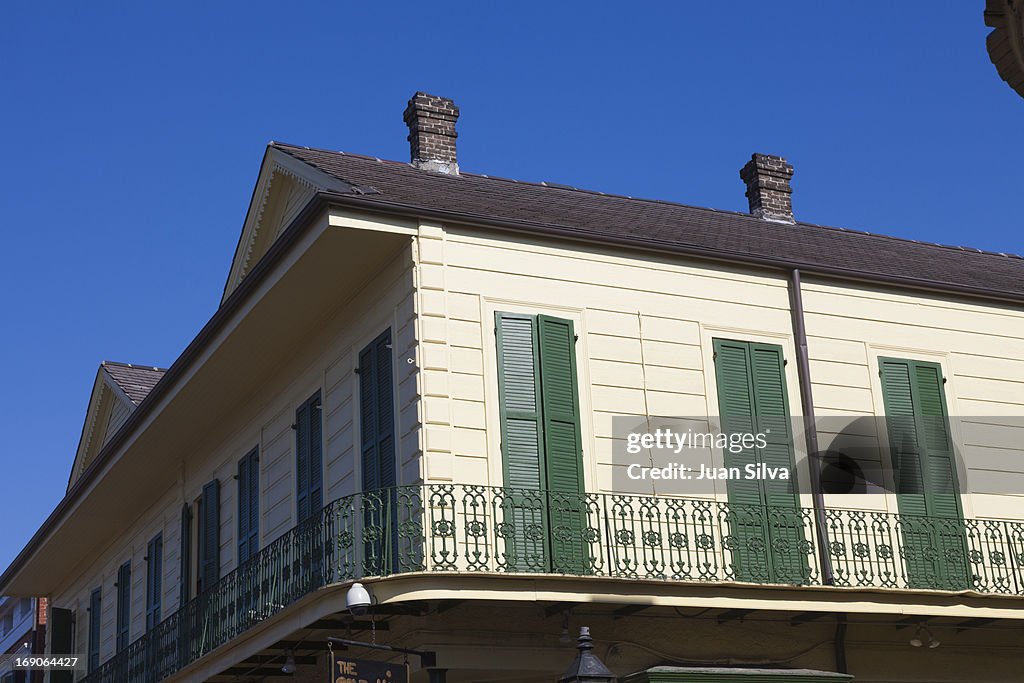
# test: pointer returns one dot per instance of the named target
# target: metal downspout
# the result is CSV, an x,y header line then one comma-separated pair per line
x,y
840,644
803,367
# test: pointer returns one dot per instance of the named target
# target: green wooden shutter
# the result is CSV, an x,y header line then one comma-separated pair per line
x,y
209,536
924,472
942,489
302,462
248,505
747,522
308,458
519,400
385,411
378,452
560,405
784,518
563,450
736,407
919,439
764,515
242,516
541,443
904,442
368,419
316,457
523,504
185,557
95,619
61,628
377,414
124,604
154,580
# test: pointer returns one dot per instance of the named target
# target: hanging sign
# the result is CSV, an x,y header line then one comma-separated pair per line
x,y
345,669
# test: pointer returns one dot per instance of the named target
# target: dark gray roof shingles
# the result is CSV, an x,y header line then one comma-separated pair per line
x,y
134,380
595,215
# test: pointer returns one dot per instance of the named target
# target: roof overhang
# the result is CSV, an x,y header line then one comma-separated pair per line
x,y
1006,41
284,186
320,262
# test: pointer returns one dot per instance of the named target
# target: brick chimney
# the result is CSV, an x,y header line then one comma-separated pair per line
x,y
768,190
431,122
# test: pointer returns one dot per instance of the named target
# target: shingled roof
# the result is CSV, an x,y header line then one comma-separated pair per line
x,y
136,381
597,216
1006,43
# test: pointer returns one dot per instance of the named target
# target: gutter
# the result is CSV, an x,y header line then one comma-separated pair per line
x,y
364,202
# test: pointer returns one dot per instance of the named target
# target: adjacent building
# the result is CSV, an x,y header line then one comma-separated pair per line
x,y
429,381
22,634
1005,42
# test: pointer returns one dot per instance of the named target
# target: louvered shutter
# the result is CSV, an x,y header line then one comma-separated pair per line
x,y
747,521
124,604
560,407
941,488
243,509
95,619
308,458
154,580
377,448
764,514
904,442
523,504
377,414
185,557
316,466
736,410
784,519
209,536
368,420
519,400
302,462
563,451
248,505
771,409
61,628
254,502
925,474
385,411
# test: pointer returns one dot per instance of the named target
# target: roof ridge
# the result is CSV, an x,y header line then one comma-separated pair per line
x,y
133,366
665,202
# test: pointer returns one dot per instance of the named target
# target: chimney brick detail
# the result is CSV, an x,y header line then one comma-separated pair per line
x,y
768,189
431,122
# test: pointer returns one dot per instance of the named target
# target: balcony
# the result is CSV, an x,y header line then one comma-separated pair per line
x,y
452,528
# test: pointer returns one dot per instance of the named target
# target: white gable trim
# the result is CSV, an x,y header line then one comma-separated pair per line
x,y
105,392
276,164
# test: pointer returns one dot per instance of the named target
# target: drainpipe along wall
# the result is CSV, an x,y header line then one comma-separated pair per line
x,y
803,366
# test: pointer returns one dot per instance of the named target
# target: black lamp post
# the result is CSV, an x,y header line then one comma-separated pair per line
x,y
586,668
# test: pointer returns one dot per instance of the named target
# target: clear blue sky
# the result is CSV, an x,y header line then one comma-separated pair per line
x,y
133,135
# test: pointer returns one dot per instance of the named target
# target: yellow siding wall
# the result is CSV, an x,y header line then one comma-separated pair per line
x,y
646,325
980,348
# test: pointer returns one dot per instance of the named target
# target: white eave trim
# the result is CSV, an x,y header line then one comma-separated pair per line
x,y
275,161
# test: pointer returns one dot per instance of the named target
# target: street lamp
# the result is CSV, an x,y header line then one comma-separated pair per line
x,y
586,668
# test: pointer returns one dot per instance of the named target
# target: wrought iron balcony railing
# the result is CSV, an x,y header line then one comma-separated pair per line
x,y
452,528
